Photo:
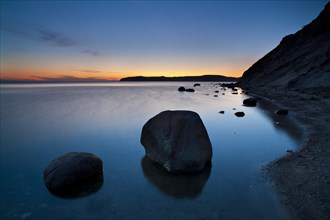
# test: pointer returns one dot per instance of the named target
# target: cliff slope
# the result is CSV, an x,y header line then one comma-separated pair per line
x,y
301,60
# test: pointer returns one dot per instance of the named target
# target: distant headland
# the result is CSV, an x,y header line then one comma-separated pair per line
x,y
203,78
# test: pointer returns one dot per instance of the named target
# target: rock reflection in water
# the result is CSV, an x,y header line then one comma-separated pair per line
x,y
176,185
84,189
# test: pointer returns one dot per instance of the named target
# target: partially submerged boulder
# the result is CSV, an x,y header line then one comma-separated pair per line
x,y
190,90
239,114
178,141
71,170
181,89
250,102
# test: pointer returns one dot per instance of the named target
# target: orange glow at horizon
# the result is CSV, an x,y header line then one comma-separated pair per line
x,y
28,73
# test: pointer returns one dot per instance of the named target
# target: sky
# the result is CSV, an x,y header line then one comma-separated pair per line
x,y
70,40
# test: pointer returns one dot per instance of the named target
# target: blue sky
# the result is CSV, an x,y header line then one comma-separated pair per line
x,y
113,39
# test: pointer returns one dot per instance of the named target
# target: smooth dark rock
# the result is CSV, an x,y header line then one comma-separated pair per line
x,y
250,102
222,112
178,141
197,84
181,89
282,112
234,93
215,95
217,91
71,170
240,114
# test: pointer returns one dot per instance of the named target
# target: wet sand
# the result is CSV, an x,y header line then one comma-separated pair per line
x,y
302,178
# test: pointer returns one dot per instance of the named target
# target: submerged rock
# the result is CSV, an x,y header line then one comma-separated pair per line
x,y
72,170
250,102
240,114
197,84
178,141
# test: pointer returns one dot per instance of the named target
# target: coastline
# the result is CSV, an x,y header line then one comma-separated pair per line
x,y
302,178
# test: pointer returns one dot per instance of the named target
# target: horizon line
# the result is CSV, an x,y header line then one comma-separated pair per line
x,y
89,79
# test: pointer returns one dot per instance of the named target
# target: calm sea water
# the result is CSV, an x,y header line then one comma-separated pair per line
x,y
42,122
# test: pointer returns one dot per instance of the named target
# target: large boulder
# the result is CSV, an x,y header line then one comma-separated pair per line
x,y
177,140
71,170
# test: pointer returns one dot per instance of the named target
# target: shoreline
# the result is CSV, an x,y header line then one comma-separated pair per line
x,y
301,179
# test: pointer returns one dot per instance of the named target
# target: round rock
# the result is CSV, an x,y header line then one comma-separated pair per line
x,y
178,141
71,170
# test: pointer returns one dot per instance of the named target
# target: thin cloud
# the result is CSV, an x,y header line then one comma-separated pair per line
x,y
37,33
90,71
53,38
41,34
69,79
93,53
97,71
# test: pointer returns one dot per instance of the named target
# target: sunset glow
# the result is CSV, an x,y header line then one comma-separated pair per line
x,y
59,40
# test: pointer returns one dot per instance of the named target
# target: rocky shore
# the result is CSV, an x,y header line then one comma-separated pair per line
x,y
302,178
296,76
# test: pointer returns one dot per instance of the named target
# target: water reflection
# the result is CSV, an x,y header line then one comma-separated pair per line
x,y
280,122
84,189
179,186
